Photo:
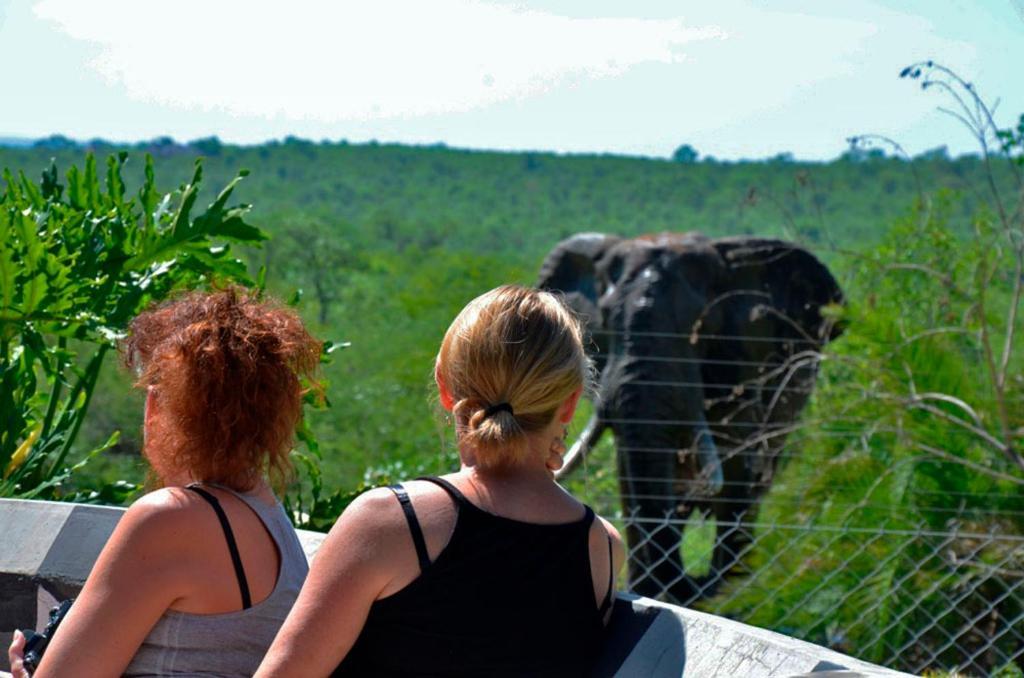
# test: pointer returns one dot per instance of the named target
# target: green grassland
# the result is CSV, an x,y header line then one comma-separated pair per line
x,y
387,242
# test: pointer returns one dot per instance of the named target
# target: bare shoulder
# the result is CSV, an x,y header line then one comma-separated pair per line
x,y
160,540
168,513
166,499
376,508
380,511
610,530
370,522
601,532
429,496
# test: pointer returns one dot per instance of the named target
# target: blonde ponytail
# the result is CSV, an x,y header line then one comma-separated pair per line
x,y
509,360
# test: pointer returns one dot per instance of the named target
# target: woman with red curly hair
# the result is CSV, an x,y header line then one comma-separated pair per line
x,y
199,575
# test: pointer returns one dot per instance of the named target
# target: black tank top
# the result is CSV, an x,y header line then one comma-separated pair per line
x,y
504,598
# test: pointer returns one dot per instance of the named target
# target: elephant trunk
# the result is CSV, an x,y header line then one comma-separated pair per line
x,y
668,463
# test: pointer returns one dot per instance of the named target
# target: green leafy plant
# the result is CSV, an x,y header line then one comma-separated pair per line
x,y
893,533
77,262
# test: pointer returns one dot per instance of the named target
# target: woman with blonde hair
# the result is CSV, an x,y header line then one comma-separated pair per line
x,y
493,570
199,575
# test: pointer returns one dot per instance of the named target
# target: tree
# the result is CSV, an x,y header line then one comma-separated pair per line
x,y
208,146
937,153
313,255
685,154
56,142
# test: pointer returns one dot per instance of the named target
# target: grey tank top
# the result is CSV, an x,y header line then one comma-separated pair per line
x,y
232,643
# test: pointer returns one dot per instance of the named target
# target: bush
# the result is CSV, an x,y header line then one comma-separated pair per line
x,y
76,264
909,473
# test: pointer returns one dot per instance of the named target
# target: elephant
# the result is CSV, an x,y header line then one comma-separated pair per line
x,y
706,352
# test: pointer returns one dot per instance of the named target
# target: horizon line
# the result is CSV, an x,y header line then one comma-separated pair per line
x,y
58,140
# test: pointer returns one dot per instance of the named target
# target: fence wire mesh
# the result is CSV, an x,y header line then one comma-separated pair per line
x,y
938,587
913,599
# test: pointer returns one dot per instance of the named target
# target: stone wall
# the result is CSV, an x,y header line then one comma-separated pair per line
x,y
48,548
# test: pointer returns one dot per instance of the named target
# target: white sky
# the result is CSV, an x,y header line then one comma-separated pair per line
x,y
734,78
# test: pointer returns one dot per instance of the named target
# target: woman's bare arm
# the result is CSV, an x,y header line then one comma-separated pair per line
x,y
351,569
599,562
137,576
618,546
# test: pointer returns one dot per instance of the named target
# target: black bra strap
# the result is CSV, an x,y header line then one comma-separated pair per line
x,y
447,487
414,525
229,536
606,603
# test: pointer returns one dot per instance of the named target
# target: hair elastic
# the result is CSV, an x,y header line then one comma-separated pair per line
x,y
494,409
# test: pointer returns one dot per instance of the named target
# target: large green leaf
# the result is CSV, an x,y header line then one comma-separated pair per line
x,y
74,269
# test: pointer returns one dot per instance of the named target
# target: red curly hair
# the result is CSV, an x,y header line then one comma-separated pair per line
x,y
228,370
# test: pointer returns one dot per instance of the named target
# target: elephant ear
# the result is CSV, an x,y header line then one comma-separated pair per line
x,y
571,269
798,283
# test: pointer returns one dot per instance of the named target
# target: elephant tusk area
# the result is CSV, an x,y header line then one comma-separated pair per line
x,y
710,464
581,447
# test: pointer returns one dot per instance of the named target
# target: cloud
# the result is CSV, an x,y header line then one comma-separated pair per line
x,y
332,60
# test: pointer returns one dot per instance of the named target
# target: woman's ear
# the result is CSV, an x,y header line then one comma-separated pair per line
x,y
568,409
447,401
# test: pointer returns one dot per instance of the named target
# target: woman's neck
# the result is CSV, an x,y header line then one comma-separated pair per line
x,y
526,492
183,478
510,475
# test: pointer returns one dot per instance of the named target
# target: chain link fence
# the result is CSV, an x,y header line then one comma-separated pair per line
x,y
913,599
851,476
923,575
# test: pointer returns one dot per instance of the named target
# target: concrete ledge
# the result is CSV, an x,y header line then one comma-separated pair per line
x,y
48,549
649,638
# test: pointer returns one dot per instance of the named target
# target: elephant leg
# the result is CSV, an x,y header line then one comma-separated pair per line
x,y
733,517
647,470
